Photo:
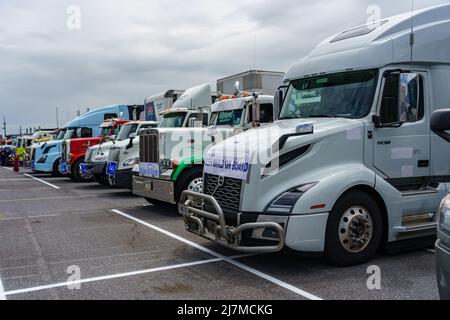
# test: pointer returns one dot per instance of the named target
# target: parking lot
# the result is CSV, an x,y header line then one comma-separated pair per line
x,y
63,240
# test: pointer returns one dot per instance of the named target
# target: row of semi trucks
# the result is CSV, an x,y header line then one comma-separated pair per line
x,y
351,154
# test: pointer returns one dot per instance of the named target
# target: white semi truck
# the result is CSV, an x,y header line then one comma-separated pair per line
x,y
185,112
360,155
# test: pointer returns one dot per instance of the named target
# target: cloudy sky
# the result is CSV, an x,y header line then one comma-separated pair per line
x,y
127,50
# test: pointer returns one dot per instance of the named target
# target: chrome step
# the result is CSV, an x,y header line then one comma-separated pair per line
x,y
410,193
416,227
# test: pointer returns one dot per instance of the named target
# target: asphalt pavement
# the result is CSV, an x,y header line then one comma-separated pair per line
x,y
66,240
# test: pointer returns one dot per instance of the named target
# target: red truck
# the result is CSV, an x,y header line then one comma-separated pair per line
x,y
74,150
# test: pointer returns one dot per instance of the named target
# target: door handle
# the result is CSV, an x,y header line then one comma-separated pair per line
x,y
424,163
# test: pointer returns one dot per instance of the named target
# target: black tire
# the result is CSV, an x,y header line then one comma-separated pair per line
x,y
75,173
55,170
101,179
185,179
335,251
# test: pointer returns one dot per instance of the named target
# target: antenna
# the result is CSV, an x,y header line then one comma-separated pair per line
x,y
254,53
57,118
4,127
411,37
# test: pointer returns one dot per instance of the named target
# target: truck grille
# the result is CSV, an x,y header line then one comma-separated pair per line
x,y
149,146
228,195
114,154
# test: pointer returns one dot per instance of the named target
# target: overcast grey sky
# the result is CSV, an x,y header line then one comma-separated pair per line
x,y
127,50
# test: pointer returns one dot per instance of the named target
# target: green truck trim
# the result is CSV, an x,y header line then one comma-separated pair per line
x,y
184,164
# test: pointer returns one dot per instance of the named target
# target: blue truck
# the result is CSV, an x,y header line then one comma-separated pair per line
x,y
48,155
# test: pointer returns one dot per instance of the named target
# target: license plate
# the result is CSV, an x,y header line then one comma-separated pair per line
x,y
150,170
111,168
83,168
63,168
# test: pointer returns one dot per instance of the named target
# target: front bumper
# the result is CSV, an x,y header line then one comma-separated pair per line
x,y
122,179
95,167
443,270
213,226
156,189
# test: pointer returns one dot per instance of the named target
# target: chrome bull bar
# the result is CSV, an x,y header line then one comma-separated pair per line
x,y
224,235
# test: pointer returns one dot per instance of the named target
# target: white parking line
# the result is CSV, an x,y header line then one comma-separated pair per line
x,y
2,290
224,258
10,169
50,198
116,276
42,181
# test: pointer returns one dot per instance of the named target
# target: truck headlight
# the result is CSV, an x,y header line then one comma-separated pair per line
x,y
131,162
286,202
444,215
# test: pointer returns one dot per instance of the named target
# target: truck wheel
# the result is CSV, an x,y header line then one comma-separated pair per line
x,y
75,173
191,180
354,230
55,171
101,179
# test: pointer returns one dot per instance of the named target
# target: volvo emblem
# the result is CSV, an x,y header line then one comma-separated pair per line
x,y
220,183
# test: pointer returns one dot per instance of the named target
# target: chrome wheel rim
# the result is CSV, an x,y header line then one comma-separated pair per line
x,y
355,229
196,185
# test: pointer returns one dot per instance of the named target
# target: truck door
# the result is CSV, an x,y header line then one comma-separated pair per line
x,y
402,151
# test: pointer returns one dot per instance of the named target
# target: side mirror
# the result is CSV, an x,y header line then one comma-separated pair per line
x,y
408,95
440,123
278,102
236,88
192,122
131,137
256,112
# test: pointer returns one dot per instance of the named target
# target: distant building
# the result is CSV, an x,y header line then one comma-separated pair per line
x,y
253,80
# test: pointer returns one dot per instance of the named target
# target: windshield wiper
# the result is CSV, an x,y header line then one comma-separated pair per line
x,y
322,116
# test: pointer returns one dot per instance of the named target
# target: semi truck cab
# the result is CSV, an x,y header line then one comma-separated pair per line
x,y
74,150
96,156
358,159
48,156
171,160
123,154
187,111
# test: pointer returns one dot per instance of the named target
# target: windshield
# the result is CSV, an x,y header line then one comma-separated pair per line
x,y
126,130
173,120
61,134
70,133
106,131
231,117
343,95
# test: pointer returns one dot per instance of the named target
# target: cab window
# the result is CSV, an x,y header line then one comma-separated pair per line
x,y
389,104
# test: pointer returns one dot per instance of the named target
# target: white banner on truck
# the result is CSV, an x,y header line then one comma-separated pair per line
x,y
235,166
